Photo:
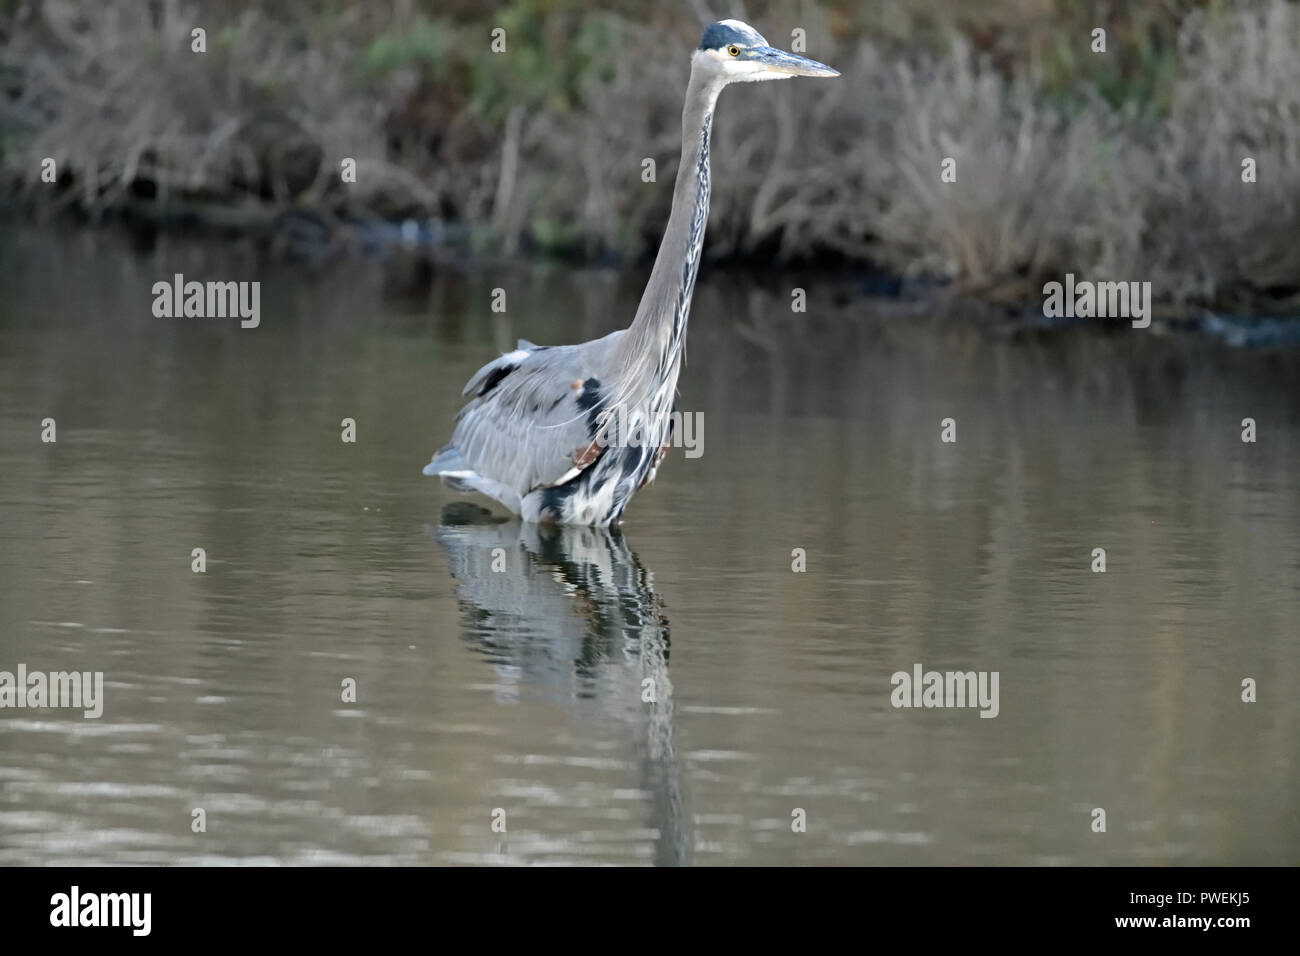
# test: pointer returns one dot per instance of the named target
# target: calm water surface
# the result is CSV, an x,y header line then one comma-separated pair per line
x,y
521,689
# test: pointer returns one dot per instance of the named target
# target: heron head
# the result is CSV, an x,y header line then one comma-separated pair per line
x,y
737,53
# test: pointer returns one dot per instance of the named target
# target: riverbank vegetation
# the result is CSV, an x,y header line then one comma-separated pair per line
x,y
1131,164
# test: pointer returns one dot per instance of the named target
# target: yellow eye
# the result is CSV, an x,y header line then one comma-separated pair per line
x,y
734,50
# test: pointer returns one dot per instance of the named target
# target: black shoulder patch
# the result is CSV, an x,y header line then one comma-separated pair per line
x,y
590,394
495,378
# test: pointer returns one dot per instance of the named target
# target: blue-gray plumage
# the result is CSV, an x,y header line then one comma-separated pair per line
x,y
569,433
717,36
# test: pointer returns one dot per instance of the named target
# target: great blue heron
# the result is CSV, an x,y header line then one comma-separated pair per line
x,y
569,433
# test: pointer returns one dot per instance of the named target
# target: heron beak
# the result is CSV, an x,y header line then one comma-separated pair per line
x,y
778,61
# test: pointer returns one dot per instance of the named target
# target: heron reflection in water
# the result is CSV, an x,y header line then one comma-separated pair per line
x,y
572,610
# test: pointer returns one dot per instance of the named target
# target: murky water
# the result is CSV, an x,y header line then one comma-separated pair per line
x,y
521,689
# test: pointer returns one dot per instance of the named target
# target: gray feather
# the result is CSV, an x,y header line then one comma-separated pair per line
x,y
534,413
525,432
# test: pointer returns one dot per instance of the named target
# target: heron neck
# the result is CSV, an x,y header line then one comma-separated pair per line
x,y
652,346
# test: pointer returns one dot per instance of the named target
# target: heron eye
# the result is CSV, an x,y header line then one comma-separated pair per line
x,y
734,50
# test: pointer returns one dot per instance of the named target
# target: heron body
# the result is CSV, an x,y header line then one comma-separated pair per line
x,y
568,434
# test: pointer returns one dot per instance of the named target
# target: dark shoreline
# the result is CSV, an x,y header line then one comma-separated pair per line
x,y
412,253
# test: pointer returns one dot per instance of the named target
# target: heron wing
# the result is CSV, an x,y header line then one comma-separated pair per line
x,y
530,422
